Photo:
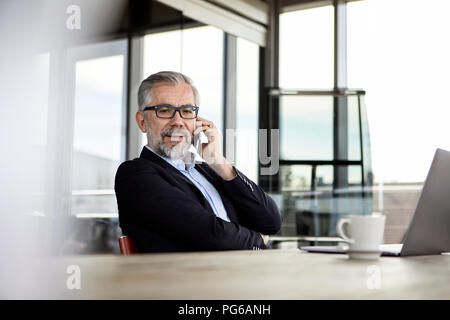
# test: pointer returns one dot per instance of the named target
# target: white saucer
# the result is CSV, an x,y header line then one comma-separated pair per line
x,y
364,255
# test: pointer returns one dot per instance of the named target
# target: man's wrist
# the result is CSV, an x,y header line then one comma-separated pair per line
x,y
265,238
224,169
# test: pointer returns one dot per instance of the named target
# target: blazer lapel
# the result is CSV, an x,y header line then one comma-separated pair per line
x,y
168,170
213,177
149,155
203,168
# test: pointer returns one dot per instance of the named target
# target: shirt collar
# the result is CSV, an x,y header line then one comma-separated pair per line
x,y
180,164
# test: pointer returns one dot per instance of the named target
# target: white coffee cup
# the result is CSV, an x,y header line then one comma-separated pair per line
x,y
365,234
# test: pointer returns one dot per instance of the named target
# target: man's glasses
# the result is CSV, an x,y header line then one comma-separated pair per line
x,y
166,111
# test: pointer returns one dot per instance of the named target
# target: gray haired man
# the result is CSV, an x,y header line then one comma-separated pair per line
x,y
168,203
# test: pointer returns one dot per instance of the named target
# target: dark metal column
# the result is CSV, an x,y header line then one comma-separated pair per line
x,y
269,111
340,124
135,69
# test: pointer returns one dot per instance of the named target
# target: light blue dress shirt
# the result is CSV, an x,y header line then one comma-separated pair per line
x,y
206,188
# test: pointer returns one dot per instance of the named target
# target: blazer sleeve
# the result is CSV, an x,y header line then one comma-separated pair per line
x,y
152,202
256,209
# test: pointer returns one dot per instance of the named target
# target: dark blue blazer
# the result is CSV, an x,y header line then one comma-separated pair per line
x,y
162,211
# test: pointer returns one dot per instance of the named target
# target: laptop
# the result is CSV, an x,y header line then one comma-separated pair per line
x,y
429,230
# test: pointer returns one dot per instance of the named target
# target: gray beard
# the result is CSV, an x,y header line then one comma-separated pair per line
x,y
177,152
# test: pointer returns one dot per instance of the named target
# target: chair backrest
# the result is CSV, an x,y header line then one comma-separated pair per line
x,y
127,246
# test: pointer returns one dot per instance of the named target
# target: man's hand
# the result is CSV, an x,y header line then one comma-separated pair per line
x,y
212,151
265,238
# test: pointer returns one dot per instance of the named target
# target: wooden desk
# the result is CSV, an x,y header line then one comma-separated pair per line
x,y
265,274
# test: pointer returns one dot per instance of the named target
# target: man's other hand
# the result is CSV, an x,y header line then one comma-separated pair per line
x,y
265,238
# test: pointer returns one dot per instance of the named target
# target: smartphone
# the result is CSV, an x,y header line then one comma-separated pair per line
x,y
198,140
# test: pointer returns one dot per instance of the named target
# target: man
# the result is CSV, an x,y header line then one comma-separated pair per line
x,y
169,201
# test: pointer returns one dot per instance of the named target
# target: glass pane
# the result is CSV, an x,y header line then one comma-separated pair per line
x,y
296,178
306,48
354,175
247,79
98,133
324,177
162,52
353,135
409,120
306,128
312,208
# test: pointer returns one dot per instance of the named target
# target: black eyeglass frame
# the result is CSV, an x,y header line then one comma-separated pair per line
x,y
175,109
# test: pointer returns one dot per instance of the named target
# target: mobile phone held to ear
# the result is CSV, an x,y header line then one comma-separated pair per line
x,y
198,140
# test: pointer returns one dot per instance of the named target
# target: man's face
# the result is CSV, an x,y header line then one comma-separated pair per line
x,y
170,137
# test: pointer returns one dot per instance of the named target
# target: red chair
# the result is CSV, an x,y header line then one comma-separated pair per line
x,y
127,246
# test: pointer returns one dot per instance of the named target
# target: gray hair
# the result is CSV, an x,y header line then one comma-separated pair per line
x,y
163,77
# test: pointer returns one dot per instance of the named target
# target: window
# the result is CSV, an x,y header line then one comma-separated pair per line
x,y
306,127
398,53
99,126
324,158
306,48
401,60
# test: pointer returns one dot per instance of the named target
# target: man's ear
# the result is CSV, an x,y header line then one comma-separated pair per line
x,y
140,120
